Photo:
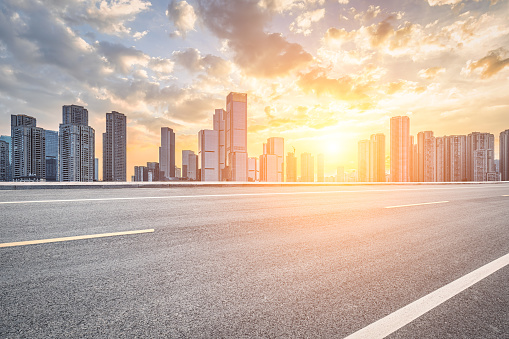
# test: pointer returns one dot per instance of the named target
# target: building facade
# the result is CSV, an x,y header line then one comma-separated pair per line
x,y
208,153
291,167
400,149
236,136
377,158
167,153
51,155
363,160
504,155
76,144
320,168
307,167
28,148
114,148
219,126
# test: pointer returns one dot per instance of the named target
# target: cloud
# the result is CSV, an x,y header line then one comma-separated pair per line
x,y
431,73
183,17
303,22
344,88
371,13
108,17
490,65
242,25
192,60
443,2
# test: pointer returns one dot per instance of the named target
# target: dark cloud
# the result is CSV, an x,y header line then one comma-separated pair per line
x,y
258,53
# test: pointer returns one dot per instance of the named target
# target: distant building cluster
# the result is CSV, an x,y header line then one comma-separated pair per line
x,y
31,153
433,159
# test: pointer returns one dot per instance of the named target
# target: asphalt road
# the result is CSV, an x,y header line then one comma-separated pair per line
x,y
299,262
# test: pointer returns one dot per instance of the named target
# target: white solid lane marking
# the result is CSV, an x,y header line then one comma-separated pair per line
x,y
236,194
396,320
419,204
78,237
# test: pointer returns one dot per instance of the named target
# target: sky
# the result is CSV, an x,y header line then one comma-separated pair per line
x,y
321,74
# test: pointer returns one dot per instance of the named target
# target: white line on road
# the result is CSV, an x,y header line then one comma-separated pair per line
x,y
403,316
235,195
78,237
419,204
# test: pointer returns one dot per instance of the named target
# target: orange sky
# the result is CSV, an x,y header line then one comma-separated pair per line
x,y
321,74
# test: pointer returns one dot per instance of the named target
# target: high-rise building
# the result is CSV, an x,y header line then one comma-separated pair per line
x,y
276,146
153,170
426,154
114,147
400,149
441,160
167,153
208,150
51,155
28,147
363,160
320,168
456,157
291,167
414,160
504,155
140,173
307,167
189,165
96,169
269,168
377,158
219,126
253,169
480,156
272,160
236,136
8,161
76,145
5,163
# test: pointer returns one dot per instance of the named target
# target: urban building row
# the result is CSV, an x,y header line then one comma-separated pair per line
x,y
34,154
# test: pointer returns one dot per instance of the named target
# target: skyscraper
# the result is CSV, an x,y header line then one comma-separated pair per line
x,y
480,156
219,122
400,149
272,160
252,166
28,147
504,155
377,158
291,167
8,169
236,136
208,152
320,168
185,162
426,154
363,161
167,153
114,147
456,158
307,167
76,145
51,155
5,164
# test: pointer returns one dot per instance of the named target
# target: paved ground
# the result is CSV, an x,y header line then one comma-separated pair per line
x,y
252,262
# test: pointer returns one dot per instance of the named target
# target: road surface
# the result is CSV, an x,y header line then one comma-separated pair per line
x,y
249,262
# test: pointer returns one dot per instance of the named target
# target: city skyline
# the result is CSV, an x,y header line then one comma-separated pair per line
x,y
336,70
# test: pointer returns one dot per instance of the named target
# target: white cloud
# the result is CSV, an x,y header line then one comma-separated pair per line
x,y
303,22
183,17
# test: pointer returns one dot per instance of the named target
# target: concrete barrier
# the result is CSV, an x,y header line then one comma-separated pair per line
x,y
175,184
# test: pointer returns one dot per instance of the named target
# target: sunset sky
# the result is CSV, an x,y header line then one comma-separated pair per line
x,y
321,74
